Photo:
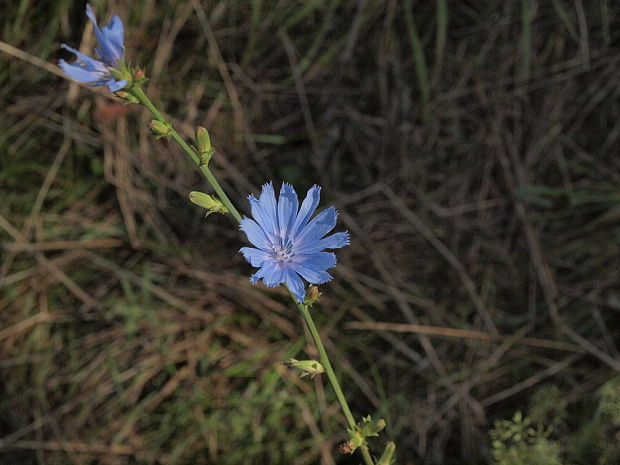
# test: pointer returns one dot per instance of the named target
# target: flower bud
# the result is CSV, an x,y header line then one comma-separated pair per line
x,y
211,203
161,128
388,453
203,145
312,295
308,367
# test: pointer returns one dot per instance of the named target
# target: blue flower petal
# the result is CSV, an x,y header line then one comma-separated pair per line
x,y
85,61
79,73
308,207
255,234
111,48
313,274
269,205
274,274
256,257
90,71
261,272
322,260
335,241
320,225
287,209
263,219
296,285
114,34
115,86
101,82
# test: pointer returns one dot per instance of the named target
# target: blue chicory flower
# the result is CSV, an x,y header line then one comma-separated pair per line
x,y
290,244
97,72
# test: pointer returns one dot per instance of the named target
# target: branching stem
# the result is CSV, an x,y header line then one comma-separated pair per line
x,y
138,93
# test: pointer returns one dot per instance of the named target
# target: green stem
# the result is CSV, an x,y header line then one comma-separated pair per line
x,y
329,371
138,93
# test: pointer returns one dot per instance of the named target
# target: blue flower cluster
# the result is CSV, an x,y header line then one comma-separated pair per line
x,y
288,243
97,72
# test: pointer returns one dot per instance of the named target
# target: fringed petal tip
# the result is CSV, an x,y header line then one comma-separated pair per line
x,y
255,279
347,239
266,186
323,280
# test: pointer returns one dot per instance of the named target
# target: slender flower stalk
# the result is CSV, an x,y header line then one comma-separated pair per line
x,y
329,371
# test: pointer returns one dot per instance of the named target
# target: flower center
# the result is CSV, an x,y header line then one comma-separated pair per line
x,y
283,250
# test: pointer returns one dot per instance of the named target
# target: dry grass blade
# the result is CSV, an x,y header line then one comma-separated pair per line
x,y
463,333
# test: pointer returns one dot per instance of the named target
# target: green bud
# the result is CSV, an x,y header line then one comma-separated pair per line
x,y
388,453
308,367
203,141
126,96
368,427
161,129
211,203
203,145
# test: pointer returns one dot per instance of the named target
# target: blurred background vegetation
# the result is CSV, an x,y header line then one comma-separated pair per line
x,y
472,150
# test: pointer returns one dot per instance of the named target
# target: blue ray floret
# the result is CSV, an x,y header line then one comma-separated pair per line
x,y
290,245
98,72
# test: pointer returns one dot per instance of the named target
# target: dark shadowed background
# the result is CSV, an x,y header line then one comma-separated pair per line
x,y
472,151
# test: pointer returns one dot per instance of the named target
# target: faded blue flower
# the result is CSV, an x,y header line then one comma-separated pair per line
x,y
97,72
290,244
